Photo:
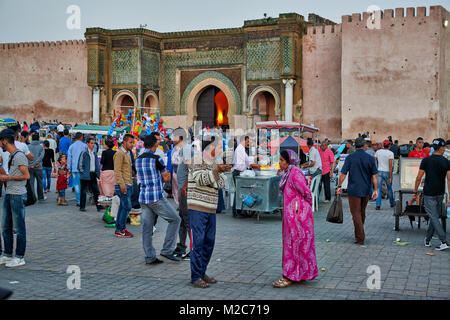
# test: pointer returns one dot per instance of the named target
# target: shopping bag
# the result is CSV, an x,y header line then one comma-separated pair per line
x,y
335,214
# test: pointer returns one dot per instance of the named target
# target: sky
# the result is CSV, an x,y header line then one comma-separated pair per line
x,y
46,20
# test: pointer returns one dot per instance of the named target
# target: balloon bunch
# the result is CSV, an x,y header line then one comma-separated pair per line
x,y
149,123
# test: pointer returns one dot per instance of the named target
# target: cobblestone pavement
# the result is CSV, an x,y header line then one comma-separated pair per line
x,y
246,260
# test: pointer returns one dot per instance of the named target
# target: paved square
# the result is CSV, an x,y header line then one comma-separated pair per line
x,y
246,260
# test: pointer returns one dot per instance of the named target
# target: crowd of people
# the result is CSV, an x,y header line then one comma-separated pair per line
x,y
193,174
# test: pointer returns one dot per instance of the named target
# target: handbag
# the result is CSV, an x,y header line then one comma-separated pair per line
x,y
335,213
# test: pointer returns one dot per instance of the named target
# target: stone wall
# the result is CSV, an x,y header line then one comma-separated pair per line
x,y
393,77
46,81
322,80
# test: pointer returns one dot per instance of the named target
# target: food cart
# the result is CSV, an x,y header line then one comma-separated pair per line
x,y
259,192
408,174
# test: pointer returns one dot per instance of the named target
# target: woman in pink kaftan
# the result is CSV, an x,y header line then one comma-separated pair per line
x,y
299,254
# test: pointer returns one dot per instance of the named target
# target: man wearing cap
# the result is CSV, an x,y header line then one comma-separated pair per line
x,y
385,157
435,168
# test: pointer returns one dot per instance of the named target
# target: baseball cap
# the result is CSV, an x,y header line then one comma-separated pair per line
x,y
437,143
386,142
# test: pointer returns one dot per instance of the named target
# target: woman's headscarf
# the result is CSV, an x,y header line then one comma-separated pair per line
x,y
292,158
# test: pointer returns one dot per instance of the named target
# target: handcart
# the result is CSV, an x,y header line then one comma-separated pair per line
x,y
409,168
259,194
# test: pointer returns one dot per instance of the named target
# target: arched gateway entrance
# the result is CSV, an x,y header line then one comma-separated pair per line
x,y
212,108
212,98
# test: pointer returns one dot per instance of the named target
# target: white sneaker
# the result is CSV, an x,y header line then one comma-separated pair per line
x,y
442,247
427,243
15,262
4,259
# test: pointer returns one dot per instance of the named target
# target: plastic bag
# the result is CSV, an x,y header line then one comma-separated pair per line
x,y
248,173
335,213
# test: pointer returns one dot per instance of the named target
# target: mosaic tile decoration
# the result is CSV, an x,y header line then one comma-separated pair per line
x,y
124,66
172,61
263,60
288,55
92,65
150,68
101,67
207,75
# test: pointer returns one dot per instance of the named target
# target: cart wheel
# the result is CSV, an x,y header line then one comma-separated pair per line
x,y
397,215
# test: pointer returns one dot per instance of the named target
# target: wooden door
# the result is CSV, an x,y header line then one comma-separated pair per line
x,y
206,109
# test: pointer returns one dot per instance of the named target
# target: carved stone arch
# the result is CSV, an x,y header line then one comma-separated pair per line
x,y
269,89
152,94
120,94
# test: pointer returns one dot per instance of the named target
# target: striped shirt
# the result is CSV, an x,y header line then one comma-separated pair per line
x,y
149,174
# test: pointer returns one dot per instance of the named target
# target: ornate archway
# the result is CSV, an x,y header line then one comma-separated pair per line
x,y
198,84
267,93
151,101
124,96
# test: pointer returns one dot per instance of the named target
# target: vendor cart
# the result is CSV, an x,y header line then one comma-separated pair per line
x,y
259,194
408,174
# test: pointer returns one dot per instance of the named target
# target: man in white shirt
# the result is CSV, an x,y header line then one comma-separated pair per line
x,y
241,162
60,127
315,162
385,158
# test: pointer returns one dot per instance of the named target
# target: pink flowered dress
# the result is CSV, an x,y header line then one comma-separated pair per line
x,y
299,253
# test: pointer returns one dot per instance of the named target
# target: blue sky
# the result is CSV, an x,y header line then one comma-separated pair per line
x,y
45,20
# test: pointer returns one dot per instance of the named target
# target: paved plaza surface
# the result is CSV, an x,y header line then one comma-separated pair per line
x,y
246,260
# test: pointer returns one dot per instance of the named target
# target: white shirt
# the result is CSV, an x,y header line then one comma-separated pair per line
x,y
5,159
22,147
383,157
60,128
241,160
447,154
314,155
53,145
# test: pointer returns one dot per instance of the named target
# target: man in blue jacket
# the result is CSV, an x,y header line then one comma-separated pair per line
x,y
89,171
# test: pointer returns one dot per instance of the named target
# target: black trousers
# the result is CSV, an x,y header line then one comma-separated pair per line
x,y
92,184
326,182
235,174
184,225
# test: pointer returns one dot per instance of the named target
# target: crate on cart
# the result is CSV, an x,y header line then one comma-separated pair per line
x,y
409,168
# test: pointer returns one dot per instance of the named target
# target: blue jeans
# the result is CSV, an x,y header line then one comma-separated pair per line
x,y
62,193
47,177
77,185
124,208
163,209
14,217
203,227
383,175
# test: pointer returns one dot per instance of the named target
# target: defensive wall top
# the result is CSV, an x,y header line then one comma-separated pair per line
x,y
392,14
42,44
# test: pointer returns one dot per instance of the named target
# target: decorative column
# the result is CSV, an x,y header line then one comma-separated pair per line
x,y
96,105
289,98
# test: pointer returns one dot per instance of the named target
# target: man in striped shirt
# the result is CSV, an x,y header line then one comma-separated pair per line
x,y
150,171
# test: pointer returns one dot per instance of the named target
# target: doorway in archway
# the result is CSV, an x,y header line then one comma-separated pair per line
x,y
125,101
263,105
212,108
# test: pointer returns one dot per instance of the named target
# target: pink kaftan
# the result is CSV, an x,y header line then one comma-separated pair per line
x,y
299,253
